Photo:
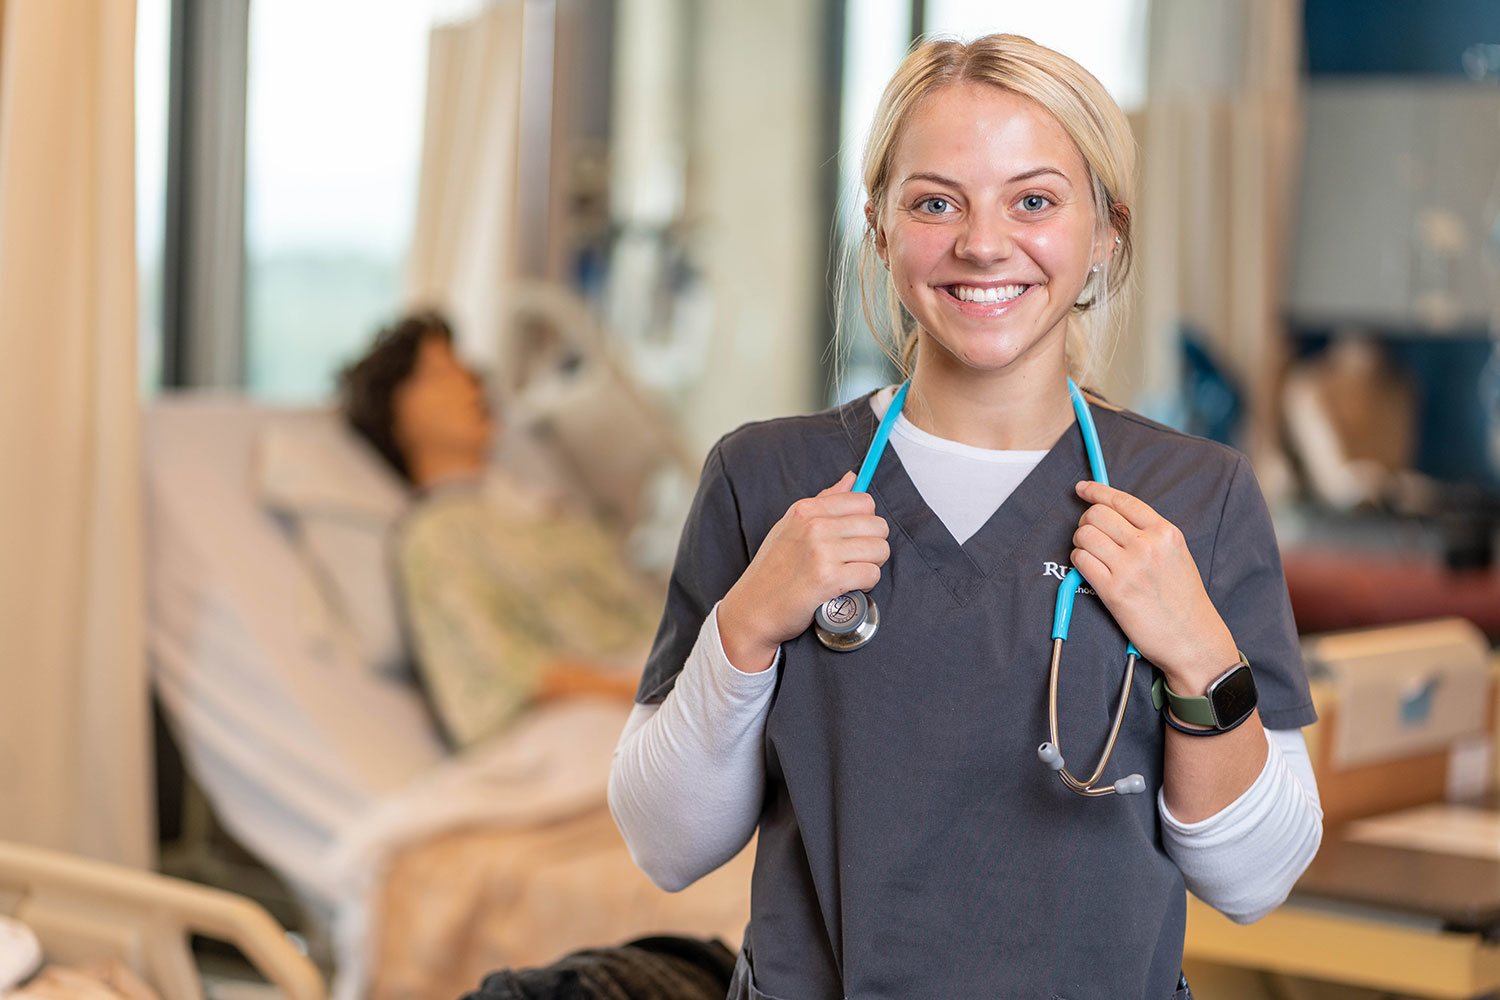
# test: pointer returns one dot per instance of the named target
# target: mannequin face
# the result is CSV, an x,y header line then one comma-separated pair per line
x,y
440,411
989,229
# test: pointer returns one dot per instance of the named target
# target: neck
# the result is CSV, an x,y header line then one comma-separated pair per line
x,y
1015,409
430,468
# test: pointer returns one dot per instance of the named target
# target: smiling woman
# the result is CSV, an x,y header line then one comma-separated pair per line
x,y
1015,173
911,843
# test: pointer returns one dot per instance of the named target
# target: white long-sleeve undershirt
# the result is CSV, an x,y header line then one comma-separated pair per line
x,y
688,779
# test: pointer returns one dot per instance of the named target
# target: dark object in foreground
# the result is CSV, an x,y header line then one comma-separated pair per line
x,y
653,968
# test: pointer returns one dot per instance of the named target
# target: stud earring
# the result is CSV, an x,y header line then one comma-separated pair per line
x,y
1096,268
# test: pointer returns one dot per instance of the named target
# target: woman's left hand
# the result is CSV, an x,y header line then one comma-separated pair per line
x,y
1139,564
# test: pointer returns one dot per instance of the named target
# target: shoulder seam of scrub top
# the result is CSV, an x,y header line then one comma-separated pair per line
x,y
734,495
1213,550
1271,718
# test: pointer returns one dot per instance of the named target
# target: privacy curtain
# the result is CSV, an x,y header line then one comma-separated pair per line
x,y
1221,141
74,771
463,246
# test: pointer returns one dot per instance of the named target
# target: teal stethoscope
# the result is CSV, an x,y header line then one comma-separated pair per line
x,y
850,620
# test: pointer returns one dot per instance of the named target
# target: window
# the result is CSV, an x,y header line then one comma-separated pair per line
x,y
152,38
335,100
1106,37
877,34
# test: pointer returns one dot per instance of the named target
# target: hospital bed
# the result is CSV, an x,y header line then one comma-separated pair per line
x,y
275,652
83,911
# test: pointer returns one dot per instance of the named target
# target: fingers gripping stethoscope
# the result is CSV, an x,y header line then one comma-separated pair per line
x,y
848,621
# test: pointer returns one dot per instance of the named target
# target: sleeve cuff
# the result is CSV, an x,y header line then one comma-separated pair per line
x,y
712,645
1247,804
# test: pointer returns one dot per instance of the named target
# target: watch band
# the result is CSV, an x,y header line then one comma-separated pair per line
x,y
1171,720
1198,711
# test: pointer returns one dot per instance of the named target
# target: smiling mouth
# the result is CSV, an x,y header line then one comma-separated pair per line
x,y
986,295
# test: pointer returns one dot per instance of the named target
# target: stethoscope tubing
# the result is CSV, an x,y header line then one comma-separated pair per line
x,y
878,442
1051,751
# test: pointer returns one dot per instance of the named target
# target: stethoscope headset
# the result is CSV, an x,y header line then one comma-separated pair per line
x,y
850,620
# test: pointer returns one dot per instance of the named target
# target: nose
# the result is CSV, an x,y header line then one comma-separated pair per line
x,y
985,237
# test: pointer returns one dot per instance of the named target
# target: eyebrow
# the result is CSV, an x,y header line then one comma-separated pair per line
x,y
950,182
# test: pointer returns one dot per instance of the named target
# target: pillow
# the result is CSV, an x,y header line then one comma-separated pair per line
x,y
341,502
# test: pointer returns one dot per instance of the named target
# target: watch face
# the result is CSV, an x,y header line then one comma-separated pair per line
x,y
1233,696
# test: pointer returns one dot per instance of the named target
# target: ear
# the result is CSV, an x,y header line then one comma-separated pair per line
x,y
1119,218
880,242
1106,244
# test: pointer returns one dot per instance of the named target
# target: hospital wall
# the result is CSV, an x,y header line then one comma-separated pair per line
x,y
754,175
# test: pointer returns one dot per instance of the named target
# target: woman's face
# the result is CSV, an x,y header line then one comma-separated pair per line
x,y
989,229
440,407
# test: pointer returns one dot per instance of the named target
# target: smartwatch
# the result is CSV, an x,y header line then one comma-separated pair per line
x,y
1230,700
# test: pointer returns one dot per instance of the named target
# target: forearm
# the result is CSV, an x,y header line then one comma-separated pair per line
x,y
1203,774
1244,859
688,777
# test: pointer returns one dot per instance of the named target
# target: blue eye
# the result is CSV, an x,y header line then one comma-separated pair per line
x,y
1034,202
934,206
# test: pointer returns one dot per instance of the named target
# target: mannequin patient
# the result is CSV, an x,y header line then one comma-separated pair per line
x,y
511,597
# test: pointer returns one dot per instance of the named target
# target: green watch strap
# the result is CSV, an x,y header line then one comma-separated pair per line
x,y
1197,711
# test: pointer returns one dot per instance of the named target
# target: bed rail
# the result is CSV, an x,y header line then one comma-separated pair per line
x,y
83,910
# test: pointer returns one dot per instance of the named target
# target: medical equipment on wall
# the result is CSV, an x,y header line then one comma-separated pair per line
x,y
850,620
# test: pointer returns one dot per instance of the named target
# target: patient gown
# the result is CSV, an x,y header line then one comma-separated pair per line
x,y
498,581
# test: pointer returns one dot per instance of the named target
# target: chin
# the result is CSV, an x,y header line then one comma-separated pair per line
x,y
980,358
990,354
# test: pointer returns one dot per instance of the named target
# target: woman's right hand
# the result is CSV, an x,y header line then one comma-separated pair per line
x,y
823,546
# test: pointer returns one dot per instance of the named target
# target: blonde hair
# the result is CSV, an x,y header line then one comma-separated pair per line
x,y
1090,117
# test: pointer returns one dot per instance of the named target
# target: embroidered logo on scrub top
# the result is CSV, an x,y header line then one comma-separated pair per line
x,y
1059,571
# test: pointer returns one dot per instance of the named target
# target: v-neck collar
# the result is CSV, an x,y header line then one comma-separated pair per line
x,y
963,568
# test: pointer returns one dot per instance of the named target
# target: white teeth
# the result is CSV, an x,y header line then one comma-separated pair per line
x,y
998,293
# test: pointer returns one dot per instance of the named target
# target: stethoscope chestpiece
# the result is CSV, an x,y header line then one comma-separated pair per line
x,y
846,622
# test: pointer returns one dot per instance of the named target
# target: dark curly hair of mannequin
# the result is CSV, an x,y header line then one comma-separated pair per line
x,y
367,388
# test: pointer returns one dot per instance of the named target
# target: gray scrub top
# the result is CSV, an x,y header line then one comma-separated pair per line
x,y
910,842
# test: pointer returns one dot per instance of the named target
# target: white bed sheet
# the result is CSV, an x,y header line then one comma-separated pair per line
x,y
290,734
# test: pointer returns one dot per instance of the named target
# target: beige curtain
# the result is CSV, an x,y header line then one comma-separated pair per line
x,y
464,244
1221,141
74,771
